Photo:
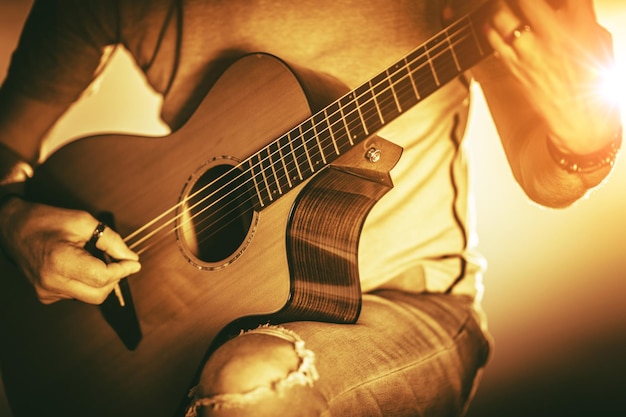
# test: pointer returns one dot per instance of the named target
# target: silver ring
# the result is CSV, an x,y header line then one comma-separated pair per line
x,y
97,233
517,33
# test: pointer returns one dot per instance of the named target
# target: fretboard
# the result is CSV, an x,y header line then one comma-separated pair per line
x,y
319,140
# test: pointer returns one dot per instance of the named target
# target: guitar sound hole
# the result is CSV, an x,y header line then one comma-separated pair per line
x,y
217,215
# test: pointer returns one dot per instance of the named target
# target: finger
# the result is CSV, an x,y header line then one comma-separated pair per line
x,y
86,278
76,264
539,15
98,274
509,44
509,35
112,244
57,288
82,292
81,224
122,269
105,239
504,20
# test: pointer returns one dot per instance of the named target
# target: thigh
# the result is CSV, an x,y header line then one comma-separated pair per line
x,y
408,355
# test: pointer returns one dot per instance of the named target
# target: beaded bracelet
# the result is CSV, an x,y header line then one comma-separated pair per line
x,y
587,163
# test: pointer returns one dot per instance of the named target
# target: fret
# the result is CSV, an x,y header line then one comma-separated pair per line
x,y
316,142
338,128
403,86
354,101
393,89
276,161
483,47
375,99
330,130
305,148
355,96
345,124
452,52
256,172
465,45
313,146
431,66
289,164
474,21
442,59
249,183
302,160
324,135
420,68
267,173
411,78
352,118
369,111
384,95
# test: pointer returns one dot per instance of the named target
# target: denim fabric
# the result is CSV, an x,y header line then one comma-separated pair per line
x,y
408,355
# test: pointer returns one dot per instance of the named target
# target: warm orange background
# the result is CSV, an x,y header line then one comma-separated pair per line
x,y
555,286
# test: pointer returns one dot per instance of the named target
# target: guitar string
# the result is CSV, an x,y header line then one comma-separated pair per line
x,y
228,213
372,112
409,74
389,88
204,224
383,105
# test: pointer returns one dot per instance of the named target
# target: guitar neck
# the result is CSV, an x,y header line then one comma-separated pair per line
x,y
319,140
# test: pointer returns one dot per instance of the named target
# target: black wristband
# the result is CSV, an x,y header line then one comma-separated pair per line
x,y
587,163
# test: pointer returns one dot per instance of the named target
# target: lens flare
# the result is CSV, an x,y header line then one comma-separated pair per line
x,y
613,87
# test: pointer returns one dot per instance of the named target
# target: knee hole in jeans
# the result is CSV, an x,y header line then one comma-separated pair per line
x,y
259,363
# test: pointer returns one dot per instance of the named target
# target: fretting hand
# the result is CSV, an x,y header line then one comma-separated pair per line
x,y
561,57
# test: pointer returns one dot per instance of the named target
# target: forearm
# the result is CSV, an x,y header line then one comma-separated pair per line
x,y
545,87
546,181
526,137
24,123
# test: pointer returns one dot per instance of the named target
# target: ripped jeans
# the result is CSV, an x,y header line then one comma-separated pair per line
x,y
408,355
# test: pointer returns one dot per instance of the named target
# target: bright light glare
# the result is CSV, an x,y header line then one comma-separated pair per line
x,y
613,86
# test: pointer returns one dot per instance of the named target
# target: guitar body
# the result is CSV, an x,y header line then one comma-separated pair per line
x,y
65,359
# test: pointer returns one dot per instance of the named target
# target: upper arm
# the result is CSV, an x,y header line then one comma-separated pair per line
x,y
57,56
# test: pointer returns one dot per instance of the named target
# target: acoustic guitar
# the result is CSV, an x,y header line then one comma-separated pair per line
x,y
251,212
